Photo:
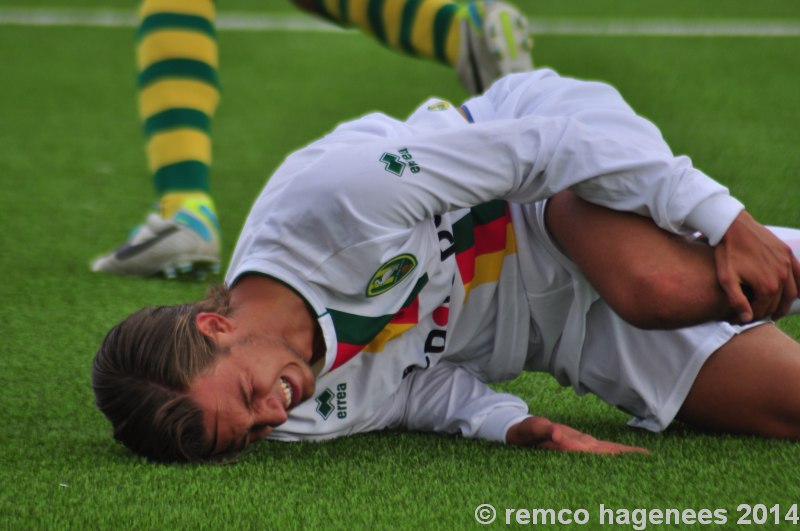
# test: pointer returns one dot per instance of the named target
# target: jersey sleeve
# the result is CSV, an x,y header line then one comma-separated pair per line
x,y
448,399
612,156
531,144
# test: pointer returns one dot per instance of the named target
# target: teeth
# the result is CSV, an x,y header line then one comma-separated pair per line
x,y
287,393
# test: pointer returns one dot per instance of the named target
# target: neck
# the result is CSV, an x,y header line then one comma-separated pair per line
x,y
263,305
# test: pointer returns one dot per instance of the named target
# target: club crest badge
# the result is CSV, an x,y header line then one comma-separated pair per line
x,y
391,274
439,106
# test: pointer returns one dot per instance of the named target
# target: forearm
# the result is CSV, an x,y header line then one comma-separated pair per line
x,y
448,399
651,278
654,279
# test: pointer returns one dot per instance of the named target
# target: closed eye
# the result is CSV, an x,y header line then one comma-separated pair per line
x,y
244,394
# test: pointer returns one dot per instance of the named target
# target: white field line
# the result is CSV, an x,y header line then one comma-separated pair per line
x,y
242,21
666,28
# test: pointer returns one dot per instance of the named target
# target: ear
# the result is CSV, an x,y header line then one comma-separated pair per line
x,y
212,324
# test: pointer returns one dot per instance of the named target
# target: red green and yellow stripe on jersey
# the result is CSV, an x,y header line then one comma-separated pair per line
x,y
482,241
357,333
483,238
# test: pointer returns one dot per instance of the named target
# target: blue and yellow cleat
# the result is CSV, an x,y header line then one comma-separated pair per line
x,y
187,242
495,41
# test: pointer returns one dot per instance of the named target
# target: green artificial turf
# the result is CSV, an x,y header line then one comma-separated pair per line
x,y
74,180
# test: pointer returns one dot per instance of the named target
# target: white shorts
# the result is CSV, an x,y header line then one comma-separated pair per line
x,y
579,339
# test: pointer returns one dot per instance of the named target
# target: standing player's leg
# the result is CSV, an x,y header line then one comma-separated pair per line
x,y
482,40
177,63
749,386
178,94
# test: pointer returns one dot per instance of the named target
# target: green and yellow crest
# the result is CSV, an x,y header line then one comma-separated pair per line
x,y
391,274
439,106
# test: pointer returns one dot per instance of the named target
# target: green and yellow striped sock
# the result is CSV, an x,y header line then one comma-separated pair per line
x,y
423,28
177,62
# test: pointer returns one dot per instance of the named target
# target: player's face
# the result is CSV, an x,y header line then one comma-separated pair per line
x,y
250,390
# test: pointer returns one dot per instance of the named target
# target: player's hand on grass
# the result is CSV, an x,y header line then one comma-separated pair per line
x,y
750,255
542,433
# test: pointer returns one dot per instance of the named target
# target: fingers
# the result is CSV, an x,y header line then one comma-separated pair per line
x,y
595,447
733,288
566,439
624,449
775,292
790,291
541,432
796,276
752,256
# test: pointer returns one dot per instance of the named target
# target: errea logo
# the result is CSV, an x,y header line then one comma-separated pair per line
x,y
397,164
328,402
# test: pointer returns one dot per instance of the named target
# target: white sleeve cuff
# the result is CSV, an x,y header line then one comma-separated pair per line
x,y
497,424
714,215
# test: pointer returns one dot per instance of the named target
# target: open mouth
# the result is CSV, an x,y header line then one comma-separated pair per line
x,y
288,392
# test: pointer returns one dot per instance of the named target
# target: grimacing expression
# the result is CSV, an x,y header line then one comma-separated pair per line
x,y
249,391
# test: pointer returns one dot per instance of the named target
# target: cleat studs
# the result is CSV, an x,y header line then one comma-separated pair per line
x,y
184,267
169,273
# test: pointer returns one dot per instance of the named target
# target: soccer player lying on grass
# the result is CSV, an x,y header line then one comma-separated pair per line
x,y
392,269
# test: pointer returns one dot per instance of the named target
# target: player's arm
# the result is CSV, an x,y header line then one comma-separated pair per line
x,y
448,399
651,278
601,150
589,141
678,196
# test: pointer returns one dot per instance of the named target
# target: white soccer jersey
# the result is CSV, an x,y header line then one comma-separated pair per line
x,y
400,236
